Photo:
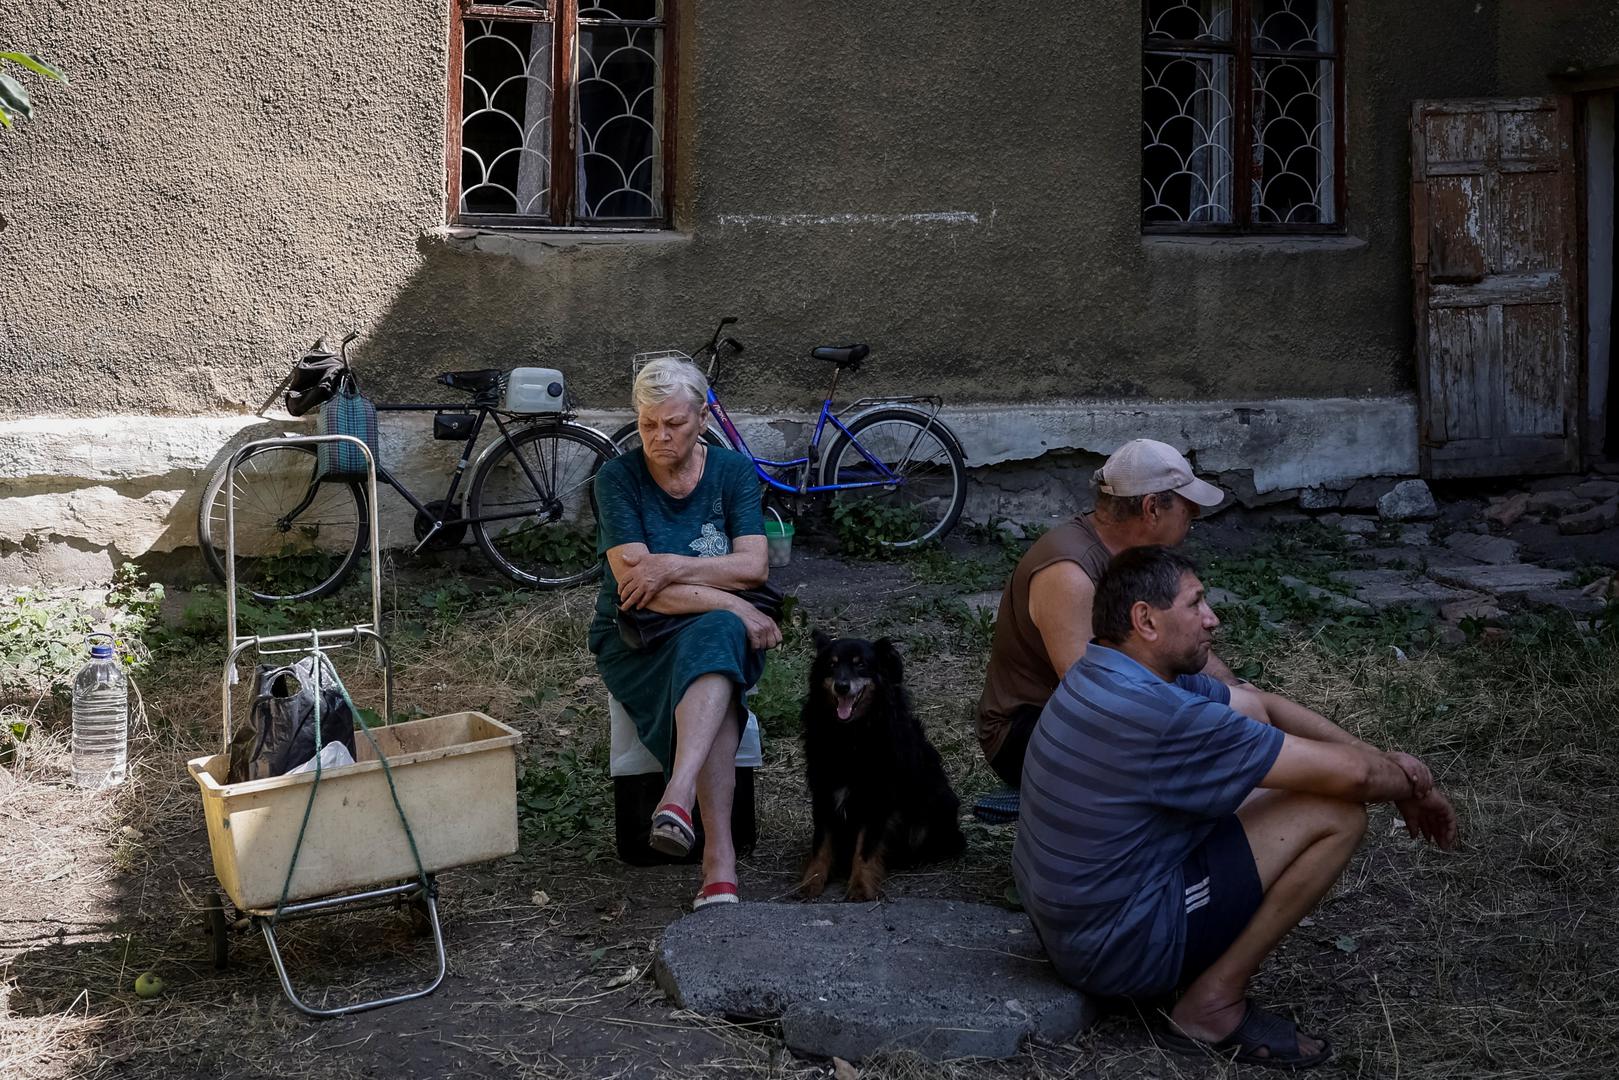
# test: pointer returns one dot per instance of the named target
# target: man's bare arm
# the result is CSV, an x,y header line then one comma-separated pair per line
x,y
1217,669
1290,716
1356,773
1060,597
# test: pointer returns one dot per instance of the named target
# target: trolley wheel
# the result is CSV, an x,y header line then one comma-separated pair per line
x,y
217,928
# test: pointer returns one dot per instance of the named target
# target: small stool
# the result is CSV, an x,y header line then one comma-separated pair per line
x,y
638,783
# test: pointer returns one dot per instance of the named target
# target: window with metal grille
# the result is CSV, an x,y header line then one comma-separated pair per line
x,y
560,112
1241,107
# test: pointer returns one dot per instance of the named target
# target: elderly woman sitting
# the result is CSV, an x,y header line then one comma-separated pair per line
x,y
683,534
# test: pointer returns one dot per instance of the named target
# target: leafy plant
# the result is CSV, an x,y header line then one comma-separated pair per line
x,y
567,550
14,100
564,800
42,634
866,527
935,566
12,735
779,694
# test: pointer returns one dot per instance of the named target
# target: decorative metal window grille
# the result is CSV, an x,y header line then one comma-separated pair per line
x,y
560,112
1240,108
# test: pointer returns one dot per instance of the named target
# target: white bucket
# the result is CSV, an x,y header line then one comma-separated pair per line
x,y
779,539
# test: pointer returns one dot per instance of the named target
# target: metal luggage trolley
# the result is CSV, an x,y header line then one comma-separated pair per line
x,y
422,796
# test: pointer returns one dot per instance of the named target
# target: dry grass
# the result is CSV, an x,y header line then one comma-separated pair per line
x,y
1494,961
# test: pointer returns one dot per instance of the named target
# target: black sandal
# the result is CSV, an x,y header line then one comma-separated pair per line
x,y
1262,1038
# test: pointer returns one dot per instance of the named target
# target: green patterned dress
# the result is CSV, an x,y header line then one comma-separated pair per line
x,y
632,508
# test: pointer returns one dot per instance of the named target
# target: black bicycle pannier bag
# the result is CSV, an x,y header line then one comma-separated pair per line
x,y
280,732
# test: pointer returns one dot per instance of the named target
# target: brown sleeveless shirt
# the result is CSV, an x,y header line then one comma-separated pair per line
x,y
1020,672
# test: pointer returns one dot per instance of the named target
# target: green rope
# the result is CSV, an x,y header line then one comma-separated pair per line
x,y
321,662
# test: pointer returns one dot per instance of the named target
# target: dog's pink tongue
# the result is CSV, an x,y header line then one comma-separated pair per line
x,y
844,709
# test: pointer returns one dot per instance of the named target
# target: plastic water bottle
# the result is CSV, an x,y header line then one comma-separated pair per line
x,y
100,719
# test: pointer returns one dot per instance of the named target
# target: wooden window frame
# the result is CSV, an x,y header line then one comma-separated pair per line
x,y
1241,47
563,215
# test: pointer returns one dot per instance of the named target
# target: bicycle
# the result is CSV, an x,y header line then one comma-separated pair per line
x,y
897,451
530,503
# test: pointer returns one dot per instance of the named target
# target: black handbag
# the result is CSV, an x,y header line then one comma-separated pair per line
x,y
642,629
315,378
280,732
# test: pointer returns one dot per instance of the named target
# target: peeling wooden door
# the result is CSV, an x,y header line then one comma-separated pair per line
x,y
1494,247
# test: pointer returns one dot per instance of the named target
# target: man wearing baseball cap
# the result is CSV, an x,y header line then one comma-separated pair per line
x,y
1146,494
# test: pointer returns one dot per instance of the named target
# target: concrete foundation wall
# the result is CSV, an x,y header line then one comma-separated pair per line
x,y
85,495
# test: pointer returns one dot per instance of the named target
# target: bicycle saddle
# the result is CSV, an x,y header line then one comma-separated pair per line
x,y
473,382
845,356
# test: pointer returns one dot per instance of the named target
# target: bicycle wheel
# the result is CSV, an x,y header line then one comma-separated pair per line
x,y
628,438
297,538
925,500
537,491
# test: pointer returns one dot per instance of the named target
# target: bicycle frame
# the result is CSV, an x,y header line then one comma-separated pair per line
x,y
769,470
485,412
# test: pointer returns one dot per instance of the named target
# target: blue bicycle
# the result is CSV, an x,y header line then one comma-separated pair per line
x,y
894,452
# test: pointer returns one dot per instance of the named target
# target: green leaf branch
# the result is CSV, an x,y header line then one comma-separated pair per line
x,y
15,103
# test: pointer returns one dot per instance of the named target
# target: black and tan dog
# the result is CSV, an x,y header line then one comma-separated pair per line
x,y
877,788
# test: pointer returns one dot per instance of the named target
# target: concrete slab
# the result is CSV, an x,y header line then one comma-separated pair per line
x,y
1501,580
1594,520
1330,600
1576,602
1557,501
942,978
1415,558
1598,490
1386,589
1497,550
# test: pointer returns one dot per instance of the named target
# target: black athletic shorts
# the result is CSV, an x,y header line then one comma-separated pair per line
x,y
1223,891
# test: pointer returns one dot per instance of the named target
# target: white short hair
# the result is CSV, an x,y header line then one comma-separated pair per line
x,y
662,379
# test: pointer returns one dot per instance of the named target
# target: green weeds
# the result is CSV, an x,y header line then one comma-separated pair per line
x,y
867,527
42,634
566,799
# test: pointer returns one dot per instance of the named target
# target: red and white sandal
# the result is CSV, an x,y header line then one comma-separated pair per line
x,y
715,892
672,832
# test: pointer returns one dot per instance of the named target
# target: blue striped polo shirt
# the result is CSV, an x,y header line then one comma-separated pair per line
x,y
1125,775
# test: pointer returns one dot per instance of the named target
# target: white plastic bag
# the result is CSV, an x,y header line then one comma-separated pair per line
x,y
334,755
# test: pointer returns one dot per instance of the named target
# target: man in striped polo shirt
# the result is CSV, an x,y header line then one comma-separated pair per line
x,y
1174,829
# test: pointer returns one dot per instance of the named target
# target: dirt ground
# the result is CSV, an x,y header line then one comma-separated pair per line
x,y
1496,960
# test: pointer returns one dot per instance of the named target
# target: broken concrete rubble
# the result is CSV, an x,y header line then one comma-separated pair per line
x,y
1330,600
1410,500
1502,580
1557,501
1594,520
1508,511
1495,550
1386,589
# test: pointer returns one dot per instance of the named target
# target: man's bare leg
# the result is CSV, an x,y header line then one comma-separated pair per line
x,y
1301,844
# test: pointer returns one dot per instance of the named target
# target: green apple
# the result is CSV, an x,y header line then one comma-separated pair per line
x,y
148,985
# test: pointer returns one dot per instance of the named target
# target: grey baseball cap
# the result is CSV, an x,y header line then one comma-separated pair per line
x,y
1147,466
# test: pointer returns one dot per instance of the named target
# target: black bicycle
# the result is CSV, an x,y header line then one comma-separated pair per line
x,y
530,504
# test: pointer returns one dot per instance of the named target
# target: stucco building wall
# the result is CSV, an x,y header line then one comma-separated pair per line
x,y
960,189
957,186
